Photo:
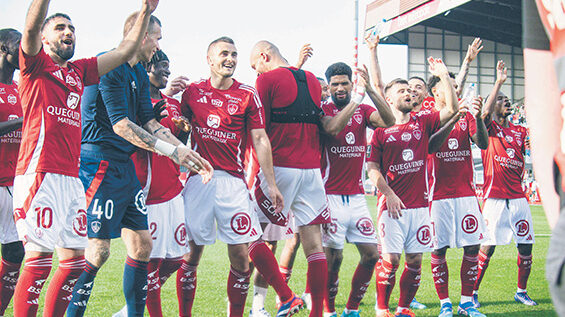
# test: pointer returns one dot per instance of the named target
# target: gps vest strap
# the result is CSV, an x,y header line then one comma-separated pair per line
x,y
302,109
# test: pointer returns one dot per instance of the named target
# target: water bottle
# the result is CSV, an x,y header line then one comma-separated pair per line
x,y
377,29
468,95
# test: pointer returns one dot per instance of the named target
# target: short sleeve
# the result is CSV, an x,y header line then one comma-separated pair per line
x,y
472,123
367,111
113,90
374,150
32,64
255,115
432,122
88,68
145,113
173,111
264,91
185,103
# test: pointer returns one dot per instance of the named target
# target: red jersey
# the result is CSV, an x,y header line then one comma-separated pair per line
x,y
344,155
429,103
50,94
503,161
295,145
10,109
220,122
402,151
158,174
451,168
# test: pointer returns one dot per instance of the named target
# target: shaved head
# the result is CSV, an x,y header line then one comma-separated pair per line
x,y
265,56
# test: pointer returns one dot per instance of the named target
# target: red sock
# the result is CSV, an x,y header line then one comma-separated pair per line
x,y
468,273
359,284
167,268
265,262
26,296
483,264
331,293
285,272
317,277
307,287
9,273
60,290
153,301
238,285
186,288
440,274
385,273
409,284
524,269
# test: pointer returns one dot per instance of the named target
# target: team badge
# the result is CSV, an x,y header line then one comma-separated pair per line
x,y
424,235
463,124
453,144
407,155
406,137
469,224
79,223
73,100
140,202
241,223
350,138
365,226
511,153
417,134
522,228
358,118
213,121
509,138
95,226
70,80
217,103
12,99
180,234
232,108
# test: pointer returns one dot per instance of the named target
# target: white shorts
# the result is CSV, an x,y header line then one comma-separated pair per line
x,y
351,220
225,202
8,232
507,218
50,211
303,193
457,222
167,228
411,233
273,232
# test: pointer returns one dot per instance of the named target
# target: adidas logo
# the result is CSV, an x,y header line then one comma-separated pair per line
x,y
253,232
289,231
391,138
58,74
203,100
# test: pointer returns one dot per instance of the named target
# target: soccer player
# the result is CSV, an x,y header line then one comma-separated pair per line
x,y
11,117
343,159
115,200
223,113
456,217
543,49
294,119
506,209
49,199
397,166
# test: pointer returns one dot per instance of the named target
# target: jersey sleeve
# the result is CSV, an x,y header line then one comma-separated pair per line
x,y
172,112
432,122
185,103
367,111
32,64
89,69
264,91
472,123
145,113
113,90
255,115
374,150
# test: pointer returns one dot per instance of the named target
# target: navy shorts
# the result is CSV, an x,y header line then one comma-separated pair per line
x,y
114,197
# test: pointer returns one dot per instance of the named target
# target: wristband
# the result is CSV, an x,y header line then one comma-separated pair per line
x,y
164,148
358,95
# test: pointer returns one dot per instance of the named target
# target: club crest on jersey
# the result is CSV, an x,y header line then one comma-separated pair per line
x,y
95,226
365,226
469,224
12,99
232,108
217,103
424,235
241,223
407,155
350,138
453,144
80,223
73,100
511,153
180,234
463,125
417,134
522,228
406,137
509,138
358,118
213,121
70,80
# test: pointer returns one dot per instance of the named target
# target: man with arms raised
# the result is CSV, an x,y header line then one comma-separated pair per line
x,y
506,209
114,113
343,159
49,199
397,166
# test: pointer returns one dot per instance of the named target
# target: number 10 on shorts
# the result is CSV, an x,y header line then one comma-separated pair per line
x,y
108,209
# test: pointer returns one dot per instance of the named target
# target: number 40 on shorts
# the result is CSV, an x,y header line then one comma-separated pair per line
x,y
108,211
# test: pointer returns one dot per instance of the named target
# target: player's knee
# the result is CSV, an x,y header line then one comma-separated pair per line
x,y
98,251
414,259
335,257
13,252
143,249
442,251
394,259
525,249
471,250
488,250
370,258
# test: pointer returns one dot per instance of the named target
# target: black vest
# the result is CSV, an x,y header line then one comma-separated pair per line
x,y
302,109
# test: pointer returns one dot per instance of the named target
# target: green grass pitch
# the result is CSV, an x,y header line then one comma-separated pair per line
x,y
496,294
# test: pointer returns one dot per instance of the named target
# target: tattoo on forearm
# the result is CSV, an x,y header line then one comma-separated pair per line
x,y
138,136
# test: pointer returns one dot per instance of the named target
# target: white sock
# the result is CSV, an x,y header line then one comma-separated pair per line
x,y
399,309
466,299
259,294
475,292
444,301
519,290
347,311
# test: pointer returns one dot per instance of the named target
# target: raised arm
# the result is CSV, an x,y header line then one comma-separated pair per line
x,y
10,125
305,53
472,51
438,68
131,41
375,67
383,117
334,125
31,37
262,147
481,136
438,138
393,203
501,75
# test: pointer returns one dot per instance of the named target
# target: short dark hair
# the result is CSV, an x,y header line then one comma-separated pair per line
x,y
130,21
56,15
320,78
418,78
434,80
394,82
337,69
157,57
223,39
9,36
